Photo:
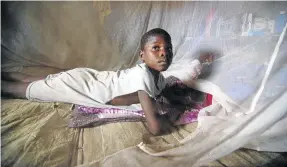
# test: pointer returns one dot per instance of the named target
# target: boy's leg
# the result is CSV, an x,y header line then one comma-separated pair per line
x,y
15,89
77,86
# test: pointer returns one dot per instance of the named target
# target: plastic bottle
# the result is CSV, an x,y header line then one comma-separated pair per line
x,y
280,22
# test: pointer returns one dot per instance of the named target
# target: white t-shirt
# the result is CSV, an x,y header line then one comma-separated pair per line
x,y
90,87
135,79
113,84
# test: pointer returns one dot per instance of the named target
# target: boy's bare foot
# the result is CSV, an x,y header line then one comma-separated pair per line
x,y
14,89
19,77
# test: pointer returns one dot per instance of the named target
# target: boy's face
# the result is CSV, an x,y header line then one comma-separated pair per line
x,y
157,53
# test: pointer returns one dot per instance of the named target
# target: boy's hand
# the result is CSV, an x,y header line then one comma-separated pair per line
x,y
165,124
171,112
174,115
206,58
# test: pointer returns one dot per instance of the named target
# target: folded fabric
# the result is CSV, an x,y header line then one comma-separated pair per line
x,y
91,116
176,98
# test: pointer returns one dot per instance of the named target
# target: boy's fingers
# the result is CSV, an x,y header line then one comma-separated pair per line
x,y
209,58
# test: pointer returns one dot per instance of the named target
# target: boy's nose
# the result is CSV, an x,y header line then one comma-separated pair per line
x,y
163,53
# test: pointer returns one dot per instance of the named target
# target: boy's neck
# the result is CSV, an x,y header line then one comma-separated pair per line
x,y
155,73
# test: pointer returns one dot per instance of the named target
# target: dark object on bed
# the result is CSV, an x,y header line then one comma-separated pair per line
x,y
175,100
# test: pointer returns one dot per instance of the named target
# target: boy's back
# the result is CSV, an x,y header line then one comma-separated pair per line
x,y
90,87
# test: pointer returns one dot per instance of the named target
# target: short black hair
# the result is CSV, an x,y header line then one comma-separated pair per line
x,y
155,32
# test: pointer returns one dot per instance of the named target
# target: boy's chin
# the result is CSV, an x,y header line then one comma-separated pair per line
x,y
162,68
159,68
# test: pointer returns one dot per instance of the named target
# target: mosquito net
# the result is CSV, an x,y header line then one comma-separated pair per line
x,y
248,78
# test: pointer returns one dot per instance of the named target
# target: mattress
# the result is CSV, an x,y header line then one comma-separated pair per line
x,y
36,134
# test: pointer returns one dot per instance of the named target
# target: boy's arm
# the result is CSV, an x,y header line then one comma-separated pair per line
x,y
192,73
156,124
188,74
196,68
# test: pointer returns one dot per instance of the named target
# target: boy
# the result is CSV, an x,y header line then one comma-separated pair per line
x,y
84,86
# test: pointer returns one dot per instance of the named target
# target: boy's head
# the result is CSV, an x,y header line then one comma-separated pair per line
x,y
156,49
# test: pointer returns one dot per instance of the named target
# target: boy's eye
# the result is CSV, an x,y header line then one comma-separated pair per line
x,y
156,48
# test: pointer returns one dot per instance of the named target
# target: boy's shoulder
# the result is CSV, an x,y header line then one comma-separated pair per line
x,y
139,69
140,72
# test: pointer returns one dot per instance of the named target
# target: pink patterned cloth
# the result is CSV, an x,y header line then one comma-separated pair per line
x,y
91,116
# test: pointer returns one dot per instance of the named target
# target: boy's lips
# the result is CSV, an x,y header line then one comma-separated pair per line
x,y
162,61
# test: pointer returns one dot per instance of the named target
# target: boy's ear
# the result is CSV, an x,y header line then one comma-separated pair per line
x,y
141,55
